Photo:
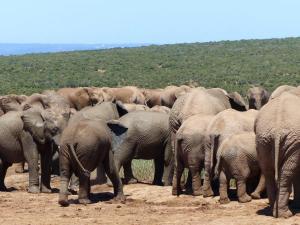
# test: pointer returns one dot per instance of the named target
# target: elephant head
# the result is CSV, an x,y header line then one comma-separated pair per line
x,y
98,95
11,102
33,123
257,97
55,122
237,102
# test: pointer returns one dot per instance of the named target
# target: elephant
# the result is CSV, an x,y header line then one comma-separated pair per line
x,y
11,103
190,151
104,111
237,158
222,126
281,89
78,98
25,135
257,97
164,97
127,94
147,137
84,145
277,130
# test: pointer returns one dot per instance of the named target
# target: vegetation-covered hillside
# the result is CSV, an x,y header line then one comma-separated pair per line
x,y
233,65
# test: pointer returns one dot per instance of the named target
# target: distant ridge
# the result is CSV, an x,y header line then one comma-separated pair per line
x,y
7,49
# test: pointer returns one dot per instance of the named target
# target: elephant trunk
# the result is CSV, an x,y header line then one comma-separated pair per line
x,y
76,161
276,167
218,166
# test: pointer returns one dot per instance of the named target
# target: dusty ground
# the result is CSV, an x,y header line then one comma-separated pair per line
x,y
146,204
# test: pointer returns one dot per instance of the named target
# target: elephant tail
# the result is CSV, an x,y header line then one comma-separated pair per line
x,y
276,167
214,139
76,161
218,166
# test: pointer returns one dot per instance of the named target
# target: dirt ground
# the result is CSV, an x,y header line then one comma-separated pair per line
x,y
146,204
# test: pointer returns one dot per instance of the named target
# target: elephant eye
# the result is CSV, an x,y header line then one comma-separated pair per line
x,y
55,129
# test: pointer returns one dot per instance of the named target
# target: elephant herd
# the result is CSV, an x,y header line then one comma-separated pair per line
x,y
212,133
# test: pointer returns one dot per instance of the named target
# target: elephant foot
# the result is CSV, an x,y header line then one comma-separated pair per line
x,y
208,193
84,201
63,200
176,192
131,180
3,188
245,198
120,198
225,200
34,189
158,183
45,189
198,192
283,213
255,195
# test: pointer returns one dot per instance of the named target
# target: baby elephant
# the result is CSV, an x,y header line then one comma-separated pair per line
x,y
191,139
84,145
147,138
237,158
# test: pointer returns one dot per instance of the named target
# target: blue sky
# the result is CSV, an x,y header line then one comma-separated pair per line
x,y
141,21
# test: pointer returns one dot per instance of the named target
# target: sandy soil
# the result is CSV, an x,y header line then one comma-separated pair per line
x,y
146,204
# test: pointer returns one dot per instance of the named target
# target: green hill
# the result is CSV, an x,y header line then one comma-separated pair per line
x,y
233,65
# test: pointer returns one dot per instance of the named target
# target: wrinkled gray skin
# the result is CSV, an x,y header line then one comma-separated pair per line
x,y
277,129
223,125
237,158
11,103
190,151
84,145
104,111
257,97
147,138
24,135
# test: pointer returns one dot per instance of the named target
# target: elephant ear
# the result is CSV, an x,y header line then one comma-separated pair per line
x,y
121,108
34,124
119,133
236,101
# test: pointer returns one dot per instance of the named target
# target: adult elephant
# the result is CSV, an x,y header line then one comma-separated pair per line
x,y
277,129
223,125
128,94
80,97
147,137
11,103
25,135
281,89
257,97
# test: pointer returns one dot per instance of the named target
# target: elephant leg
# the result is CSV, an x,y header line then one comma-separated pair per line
x,y
159,170
55,164
296,187
176,186
20,167
241,190
288,170
128,174
31,155
196,180
189,183
260,187
113,175
207,189
3,168
223,188
168,164
101,177
74,184
84,190
65,174
46,155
